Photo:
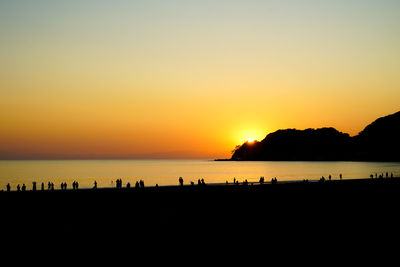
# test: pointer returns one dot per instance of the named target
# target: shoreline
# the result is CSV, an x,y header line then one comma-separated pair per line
x,y
215,185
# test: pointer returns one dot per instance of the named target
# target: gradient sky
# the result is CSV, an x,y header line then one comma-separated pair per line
x,y
189,78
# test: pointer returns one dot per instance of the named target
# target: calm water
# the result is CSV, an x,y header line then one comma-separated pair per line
x,y
166,172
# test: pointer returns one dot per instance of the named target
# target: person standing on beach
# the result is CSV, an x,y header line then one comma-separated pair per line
x,y
340,175
95,185
42,186
8,187
181,181
119,183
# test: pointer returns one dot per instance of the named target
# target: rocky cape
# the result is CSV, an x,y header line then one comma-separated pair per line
x,y
379,141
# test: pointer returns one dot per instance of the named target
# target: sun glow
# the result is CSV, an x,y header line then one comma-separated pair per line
x,y
250,135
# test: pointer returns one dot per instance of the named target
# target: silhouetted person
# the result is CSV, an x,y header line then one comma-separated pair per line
x,y
8,188
18,188
141,184
52,186
137,185
387,175
76,185
191,183
181,181
234,180
371,176
202,181
95,185
391,175
128,185
33,186
261,180
198,182
49,186
322,179
340,175
23,187
42,186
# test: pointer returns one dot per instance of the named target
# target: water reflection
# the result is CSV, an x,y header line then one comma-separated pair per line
x,y
167,172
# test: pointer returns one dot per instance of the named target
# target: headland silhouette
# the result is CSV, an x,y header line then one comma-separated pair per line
x,y
379,141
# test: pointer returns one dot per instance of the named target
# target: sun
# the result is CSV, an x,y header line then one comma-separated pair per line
x,y
249,135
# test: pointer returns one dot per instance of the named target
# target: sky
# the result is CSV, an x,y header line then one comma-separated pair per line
x,y
189,79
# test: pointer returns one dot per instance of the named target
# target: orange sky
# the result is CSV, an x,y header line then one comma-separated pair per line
x,y
189,79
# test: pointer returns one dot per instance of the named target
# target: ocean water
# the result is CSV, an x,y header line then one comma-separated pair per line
x,y
167,172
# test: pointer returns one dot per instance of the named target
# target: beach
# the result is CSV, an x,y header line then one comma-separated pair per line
x,y
283,210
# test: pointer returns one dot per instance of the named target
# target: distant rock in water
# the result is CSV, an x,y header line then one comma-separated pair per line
x,y
379,141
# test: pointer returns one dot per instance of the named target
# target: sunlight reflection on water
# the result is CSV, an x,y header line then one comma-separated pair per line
x,y
167,172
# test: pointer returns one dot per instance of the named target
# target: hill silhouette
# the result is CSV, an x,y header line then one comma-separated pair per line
x,y
379,141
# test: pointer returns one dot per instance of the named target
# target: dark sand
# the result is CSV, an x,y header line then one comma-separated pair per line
x,y
280,216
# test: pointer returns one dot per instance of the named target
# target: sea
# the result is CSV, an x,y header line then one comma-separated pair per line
x,y
167,172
